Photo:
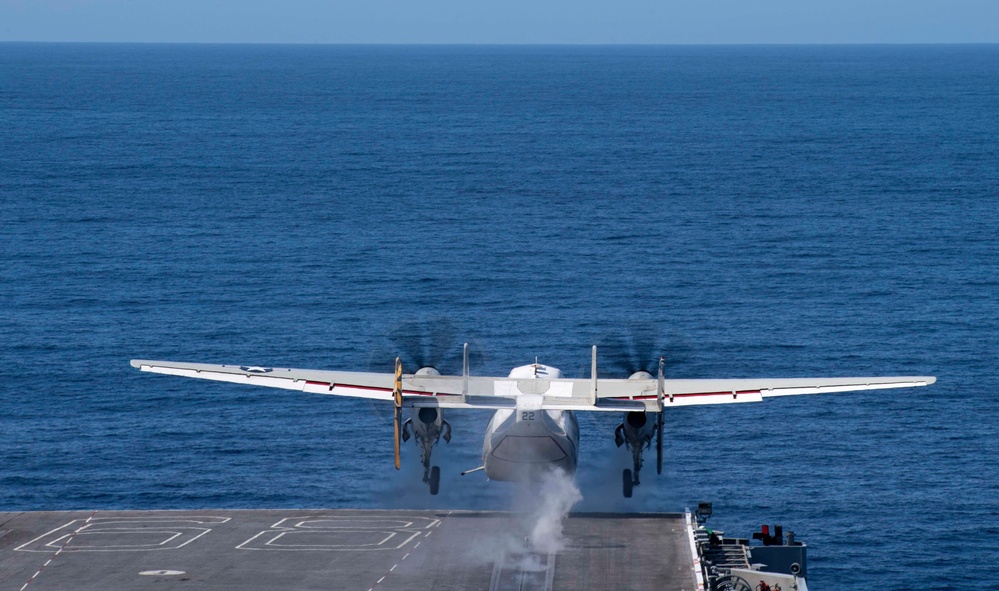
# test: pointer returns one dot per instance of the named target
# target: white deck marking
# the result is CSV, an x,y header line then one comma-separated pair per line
x,y
433,524
356,522
352,523
523,571
388,536
698,573
57,552
173,535
179,530
339,534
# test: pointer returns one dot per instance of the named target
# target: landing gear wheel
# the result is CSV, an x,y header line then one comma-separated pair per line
x,y
628,482
732,583
435,480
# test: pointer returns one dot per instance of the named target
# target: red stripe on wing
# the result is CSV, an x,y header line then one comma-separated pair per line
x,y
379,389
691,395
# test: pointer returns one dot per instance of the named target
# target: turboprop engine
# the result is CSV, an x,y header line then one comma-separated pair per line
x,y
427,429
636,433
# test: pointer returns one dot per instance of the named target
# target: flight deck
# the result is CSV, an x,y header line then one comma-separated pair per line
x,y
342,550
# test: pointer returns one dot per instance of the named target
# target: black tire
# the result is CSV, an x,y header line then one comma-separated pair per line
x,y
629,483
435,480
732,583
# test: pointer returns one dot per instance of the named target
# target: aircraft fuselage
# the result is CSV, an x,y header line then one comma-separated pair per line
x,y
519,443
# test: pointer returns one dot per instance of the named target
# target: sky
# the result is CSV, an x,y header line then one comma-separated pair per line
x,y
503,22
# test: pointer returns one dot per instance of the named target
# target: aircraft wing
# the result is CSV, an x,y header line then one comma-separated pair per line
x,y
441,391
501,392
680,392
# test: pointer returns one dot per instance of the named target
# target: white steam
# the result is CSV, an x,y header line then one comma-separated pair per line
x,y
533,530
554,495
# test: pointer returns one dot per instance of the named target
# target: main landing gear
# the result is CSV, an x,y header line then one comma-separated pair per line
x,y
636,433
428,429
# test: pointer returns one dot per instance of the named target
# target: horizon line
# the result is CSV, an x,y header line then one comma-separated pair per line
x,y
512,44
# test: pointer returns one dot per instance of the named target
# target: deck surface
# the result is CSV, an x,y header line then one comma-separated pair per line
x,y
338,549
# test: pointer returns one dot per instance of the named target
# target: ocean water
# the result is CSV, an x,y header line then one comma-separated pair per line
x,y
746,211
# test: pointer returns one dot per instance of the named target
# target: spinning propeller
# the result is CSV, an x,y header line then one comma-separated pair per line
x,y
428,346
637,354
428,343
397,420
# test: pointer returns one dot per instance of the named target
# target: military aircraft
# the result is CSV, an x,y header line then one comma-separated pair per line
x,y
534,427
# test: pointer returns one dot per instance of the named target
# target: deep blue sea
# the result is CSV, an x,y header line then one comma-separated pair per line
x,y
747,211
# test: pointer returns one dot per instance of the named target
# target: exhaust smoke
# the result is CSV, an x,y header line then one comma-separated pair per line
x,y
543,506
533,532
